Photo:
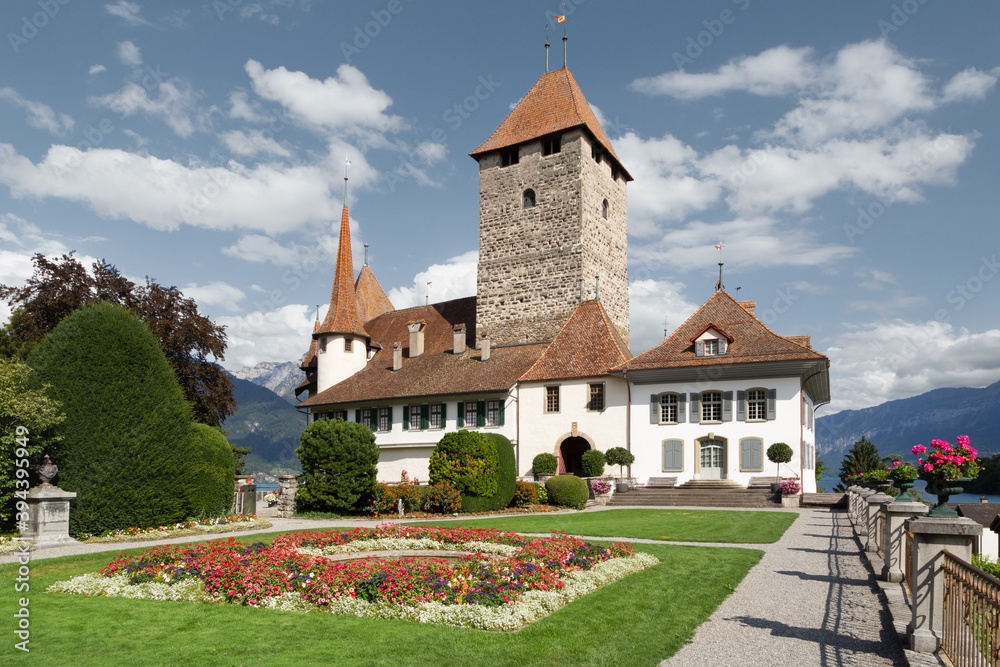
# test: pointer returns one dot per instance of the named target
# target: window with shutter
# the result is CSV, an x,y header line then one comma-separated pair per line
x,y
756,404
711,406
751,454
673,456
668,408
492,413
436,416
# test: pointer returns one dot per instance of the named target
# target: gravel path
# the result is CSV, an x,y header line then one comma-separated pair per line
x,y
810,601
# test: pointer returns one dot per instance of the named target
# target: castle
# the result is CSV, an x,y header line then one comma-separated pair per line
x,y
541,354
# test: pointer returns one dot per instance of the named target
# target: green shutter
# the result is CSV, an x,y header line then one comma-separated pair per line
x,y
357,415
390,417
425,416
406,417
480,413
502,411
460,419
444,415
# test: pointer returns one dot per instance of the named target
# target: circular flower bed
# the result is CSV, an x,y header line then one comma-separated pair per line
x,y
507,581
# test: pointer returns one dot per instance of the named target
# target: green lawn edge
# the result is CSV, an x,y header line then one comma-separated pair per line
x,y
668,525
639,620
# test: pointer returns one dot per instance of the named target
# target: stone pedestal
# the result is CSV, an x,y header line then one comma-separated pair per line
x,y
794,500
873,506
48,516
931,536
288,486
861,513
852,503
896,513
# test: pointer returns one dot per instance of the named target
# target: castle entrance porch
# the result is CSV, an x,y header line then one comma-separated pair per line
x,y
571,455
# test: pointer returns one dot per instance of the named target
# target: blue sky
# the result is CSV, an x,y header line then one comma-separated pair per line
x,y
845,154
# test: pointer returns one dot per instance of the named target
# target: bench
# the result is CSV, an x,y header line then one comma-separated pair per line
x,y
661,483
763,482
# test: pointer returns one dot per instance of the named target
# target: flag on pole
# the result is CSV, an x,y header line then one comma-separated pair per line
x,y
718,247
560,19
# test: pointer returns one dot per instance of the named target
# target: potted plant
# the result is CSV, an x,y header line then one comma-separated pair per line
x,y
790,489
902,476
271,499
945,468
621,457
777,454
601,489
878,479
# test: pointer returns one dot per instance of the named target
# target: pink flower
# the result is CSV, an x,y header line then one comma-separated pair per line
x,y
919,449
896,463
963,440
928,467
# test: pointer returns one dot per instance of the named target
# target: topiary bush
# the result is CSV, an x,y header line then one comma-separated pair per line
x,y
126,440
567,491
211,472
339,466
593,463
621,457
506,477
545,464
443,498
779,453
466,460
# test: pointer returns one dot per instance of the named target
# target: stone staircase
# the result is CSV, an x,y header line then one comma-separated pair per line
x,y
698,493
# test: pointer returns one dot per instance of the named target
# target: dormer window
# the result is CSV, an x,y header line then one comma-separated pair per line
x,y
711,347
551,145
508,158
711,342
529,198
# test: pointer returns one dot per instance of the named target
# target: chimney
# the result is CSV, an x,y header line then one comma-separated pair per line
x,y
984,499
749,306
397,356
485,349
459,339
802,340
416,337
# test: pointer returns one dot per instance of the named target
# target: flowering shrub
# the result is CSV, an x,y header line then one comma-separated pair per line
x,y
519,578
387,498
271,498
525,494
790,487
947,462
601,486
442,498
902,472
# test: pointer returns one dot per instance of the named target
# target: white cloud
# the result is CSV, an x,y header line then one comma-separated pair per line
x,y
430,152
127,11
129,54
215,294
39,115
346,102
175,104
650,303
241,106
776,71
273,335
893,359
249,144
970,85
96,69
454,279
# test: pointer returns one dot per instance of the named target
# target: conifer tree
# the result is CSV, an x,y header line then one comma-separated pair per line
x,y
860,458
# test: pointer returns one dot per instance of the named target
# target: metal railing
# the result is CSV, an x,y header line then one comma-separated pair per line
x,y
908,560
971,614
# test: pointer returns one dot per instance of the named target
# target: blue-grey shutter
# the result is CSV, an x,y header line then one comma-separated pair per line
x,y
681,408
406,417
751,454
425,416
695,416
480,413
654,409
673,455
741,405
772,398
460,419
722,345
727,406
699,348
503,409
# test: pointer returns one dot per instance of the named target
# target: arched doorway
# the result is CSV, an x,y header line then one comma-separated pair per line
x,y
571,455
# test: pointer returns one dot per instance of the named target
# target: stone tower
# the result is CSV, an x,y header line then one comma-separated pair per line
x,y
552,217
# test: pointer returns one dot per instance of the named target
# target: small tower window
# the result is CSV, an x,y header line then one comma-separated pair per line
x,y
551,145
529,198
348,344
604,209
508,158
597,154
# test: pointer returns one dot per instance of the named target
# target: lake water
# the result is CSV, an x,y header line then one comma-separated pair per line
x,y
829,483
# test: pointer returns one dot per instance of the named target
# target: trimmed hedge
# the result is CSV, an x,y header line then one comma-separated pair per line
x,y
126,441
211,473
466,460
545,464
593,463
339,467
567,491
506,477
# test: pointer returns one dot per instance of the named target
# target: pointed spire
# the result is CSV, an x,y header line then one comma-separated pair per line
x,y
719,287
342,316
546,47
564,50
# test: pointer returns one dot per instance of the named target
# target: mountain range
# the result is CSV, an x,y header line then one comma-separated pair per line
x,y
265,422
281,377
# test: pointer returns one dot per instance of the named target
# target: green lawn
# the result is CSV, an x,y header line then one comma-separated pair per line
x,y
728,526
639,620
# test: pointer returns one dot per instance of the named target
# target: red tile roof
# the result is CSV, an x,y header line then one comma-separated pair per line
x,y
437,372
588,345
342,316
554,104
310,360
752,341
371,298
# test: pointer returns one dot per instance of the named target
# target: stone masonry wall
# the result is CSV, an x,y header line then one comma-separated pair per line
x,y
531,261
